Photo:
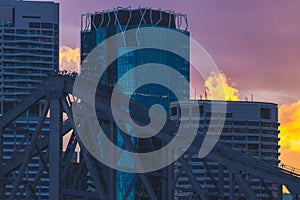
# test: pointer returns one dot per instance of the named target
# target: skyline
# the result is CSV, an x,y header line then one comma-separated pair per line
x,y
132,105
254,44
247,49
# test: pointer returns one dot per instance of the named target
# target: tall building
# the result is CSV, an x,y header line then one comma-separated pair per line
x,y
250,127
29,52
29,39
101,25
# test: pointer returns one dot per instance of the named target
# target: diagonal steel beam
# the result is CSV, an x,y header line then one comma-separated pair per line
x,y
69,154
42,143
213,178
130,187
18,110
28,151
248,193
79,194
144,179
95,175
41,168
195,184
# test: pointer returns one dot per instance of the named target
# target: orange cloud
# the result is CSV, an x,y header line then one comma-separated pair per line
x,y
69,59
219,87
289,117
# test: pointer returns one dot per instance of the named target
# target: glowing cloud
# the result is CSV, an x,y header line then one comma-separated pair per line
x,y
219,88
69,59
289,117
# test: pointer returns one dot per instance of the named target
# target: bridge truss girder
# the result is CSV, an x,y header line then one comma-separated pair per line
x,y
56,92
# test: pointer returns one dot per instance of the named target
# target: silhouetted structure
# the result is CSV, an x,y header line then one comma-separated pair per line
x,y
29,40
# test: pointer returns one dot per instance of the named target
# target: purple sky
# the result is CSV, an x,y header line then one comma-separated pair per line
x,y
256,43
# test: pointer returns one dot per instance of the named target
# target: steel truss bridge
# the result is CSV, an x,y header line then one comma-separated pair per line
x,y
56,92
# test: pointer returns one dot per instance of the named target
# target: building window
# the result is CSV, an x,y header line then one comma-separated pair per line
x,y
228,122
265,113
208,114
238,130
239,123
185,110
253,147
34,25
47,25
266,124
228,114
195,110
201,110
253,123
21,31
173,111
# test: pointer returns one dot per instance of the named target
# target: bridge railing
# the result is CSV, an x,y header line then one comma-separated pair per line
x,y
290,169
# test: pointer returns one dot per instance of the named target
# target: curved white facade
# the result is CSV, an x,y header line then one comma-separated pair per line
x,y
250,127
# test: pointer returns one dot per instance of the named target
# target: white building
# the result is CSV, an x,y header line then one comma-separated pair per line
x,y
250,127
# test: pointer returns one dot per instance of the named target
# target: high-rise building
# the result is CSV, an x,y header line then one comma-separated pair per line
x,y
29,39
29,52
101,25
250,127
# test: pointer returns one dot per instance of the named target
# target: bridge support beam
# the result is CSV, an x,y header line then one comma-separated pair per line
x,y
55,145
295,196
2,177
279,192
102,178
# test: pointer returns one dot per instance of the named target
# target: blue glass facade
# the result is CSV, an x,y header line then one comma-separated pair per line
x,y
147,95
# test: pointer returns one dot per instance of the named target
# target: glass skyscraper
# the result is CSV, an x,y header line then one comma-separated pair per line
x,y
29,52
101,25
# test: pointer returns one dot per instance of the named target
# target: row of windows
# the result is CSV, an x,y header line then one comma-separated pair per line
x,y
26,57
26,65
25,71
247,138
264,112
17,77
238,130
29,58
43,25
36,52
39,39
240,123
31,32
28,45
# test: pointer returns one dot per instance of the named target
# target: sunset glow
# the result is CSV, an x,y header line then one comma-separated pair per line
x,y
219,87
69,59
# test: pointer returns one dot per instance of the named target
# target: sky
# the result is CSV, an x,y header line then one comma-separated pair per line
x,y
256,45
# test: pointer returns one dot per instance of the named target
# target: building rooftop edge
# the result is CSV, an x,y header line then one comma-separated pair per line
x,y
29,1
227,101
135,9
136,16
